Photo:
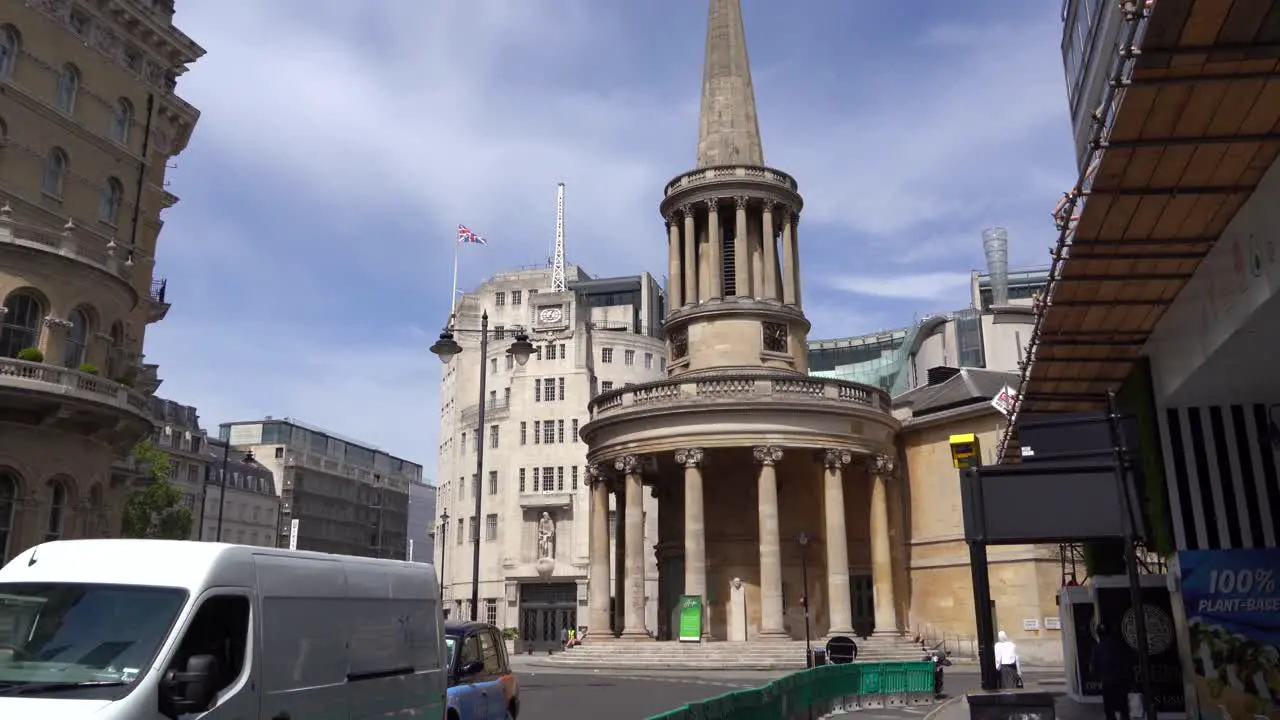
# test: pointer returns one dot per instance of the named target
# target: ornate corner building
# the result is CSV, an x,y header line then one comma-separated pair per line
x,y
88,120
753,461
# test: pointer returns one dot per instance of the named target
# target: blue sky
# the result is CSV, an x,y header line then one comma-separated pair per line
x,y
309,260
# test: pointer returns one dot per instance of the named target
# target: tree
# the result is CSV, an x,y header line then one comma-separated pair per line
x,y
157,510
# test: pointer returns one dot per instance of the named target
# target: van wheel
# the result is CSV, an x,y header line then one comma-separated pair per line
x,y
513,710
452,714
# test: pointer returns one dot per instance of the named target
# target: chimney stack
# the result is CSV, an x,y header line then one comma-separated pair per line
x,y
995,243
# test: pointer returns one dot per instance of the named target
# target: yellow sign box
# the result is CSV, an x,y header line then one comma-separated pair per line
x,y
966,451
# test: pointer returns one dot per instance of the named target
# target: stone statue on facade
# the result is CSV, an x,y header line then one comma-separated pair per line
x,y
546,537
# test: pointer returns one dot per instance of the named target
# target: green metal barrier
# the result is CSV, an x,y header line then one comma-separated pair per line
x,y
819,691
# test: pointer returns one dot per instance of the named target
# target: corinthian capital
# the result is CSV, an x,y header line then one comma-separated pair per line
x,y
713,204
767,454
628,464
595,475
740,202
836,458
882,465
689,457
688,211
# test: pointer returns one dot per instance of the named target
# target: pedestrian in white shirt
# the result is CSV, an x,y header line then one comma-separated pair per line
x,y
1007,663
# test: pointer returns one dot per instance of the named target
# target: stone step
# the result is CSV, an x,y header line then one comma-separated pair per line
x,y
737,656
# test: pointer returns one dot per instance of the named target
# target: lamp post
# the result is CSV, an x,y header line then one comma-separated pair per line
x,y
444,549
222,492
446,347
804,598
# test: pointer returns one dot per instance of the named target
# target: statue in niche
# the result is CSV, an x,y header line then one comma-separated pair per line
x,y
546,537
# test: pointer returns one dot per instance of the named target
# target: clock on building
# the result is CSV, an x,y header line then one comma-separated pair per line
x,y
550,314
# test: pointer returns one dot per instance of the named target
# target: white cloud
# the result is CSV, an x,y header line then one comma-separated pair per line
x,y
922,286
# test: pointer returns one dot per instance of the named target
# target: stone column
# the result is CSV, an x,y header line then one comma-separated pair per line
x,y
598,587
619,553
633,627
837,541
690,255
715,249
771,618
695,530
789,273
741,251
675,278
770,238
795,256
881,470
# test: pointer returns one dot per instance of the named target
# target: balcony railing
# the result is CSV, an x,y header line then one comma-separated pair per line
x,y
158,288
312,461
65,381
70,242
738,387
496,409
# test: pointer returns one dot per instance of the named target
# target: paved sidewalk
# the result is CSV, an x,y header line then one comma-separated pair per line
x,y
957,708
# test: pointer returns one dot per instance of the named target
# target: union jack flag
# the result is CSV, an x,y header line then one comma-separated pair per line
x,y
466,235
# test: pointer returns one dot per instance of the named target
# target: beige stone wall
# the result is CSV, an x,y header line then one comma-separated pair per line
x,y
1024,579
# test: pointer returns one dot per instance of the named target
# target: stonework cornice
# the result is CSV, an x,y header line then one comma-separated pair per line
x,y
627,464
767,455
689,457
836,458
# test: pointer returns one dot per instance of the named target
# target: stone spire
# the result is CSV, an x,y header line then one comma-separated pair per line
x,y
729,131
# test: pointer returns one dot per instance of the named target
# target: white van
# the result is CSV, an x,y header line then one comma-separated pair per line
x,y
150,629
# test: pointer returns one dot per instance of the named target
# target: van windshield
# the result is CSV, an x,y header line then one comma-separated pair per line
x,y
76,634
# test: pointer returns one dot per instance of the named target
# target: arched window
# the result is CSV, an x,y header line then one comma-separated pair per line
x,y
68,88
20,323
10,46
55,172
57,510
121,121
8,508
109,202
77,339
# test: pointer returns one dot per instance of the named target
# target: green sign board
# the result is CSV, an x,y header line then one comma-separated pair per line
x,y
690,618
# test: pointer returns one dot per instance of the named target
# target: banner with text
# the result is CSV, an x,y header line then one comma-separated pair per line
x,y
1233,618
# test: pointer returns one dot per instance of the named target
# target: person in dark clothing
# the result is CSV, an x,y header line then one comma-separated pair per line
x,y
1112,663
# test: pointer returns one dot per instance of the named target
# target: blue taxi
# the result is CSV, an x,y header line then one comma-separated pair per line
x,y
481,684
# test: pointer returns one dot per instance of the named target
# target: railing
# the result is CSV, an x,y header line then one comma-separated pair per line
x,y
158,288
323,464
65,381
737,387
821,691
70,242
956,645
493,410
711,174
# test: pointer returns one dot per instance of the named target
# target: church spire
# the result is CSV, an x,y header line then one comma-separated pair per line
x,y
729,131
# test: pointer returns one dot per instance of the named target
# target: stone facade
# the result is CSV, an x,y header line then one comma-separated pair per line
x,y
88,121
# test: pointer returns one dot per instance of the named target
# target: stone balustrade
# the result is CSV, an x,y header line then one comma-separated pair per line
x,y
58,380
71,242
497,409
737,387
714,174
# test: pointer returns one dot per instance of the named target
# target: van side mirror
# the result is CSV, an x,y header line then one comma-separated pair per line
x,y
192,691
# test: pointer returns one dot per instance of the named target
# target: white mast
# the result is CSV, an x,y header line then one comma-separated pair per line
x,y
557,265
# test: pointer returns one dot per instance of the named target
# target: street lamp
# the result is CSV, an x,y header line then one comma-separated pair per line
x,y
804,598
446,347
222,493
444,546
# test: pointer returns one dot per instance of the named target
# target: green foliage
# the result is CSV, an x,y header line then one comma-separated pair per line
x,y
157,510
511,633
31,354
88,368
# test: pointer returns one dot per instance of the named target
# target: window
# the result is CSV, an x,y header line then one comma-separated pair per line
x,y
548,432
500,332
606,355
560,479
121,120
537,478
493,482
461,528
628,357
488,648
511,362
56,166
606,386
521,480
549,389
515,297
560,388
493,366
463,440
537,353
68,88
475,529
537,389
76,340
109,201
574,473
648,361
221,629
551,352
548,479
10,46
524,433
574,431
462,488
560,431
57,510
491,527
506,395
500,299
493,436
563,354
20,324
8,509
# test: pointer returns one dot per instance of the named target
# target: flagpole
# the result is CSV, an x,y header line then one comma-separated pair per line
x,y
453,296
